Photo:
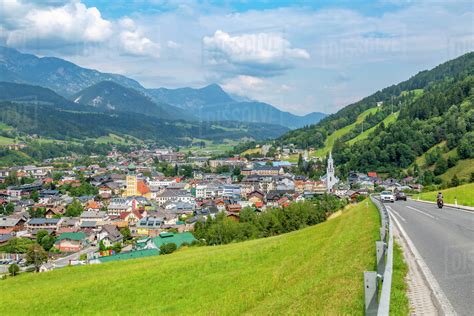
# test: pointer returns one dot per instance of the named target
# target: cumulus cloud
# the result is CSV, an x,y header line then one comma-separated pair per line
x,y
249,53
244,85
73,22
54,25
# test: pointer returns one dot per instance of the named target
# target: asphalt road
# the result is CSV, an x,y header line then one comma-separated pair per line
x,y
62,262
445,240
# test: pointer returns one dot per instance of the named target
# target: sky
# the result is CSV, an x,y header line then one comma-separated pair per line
x,y
300,56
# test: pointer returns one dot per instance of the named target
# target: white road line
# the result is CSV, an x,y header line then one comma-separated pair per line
x,y
396,213
424,213
438,293
449,207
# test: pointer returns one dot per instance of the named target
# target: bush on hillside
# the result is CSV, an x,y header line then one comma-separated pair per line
x,y
168,248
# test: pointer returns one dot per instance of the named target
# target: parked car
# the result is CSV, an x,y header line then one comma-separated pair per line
x,y
401,196
387,196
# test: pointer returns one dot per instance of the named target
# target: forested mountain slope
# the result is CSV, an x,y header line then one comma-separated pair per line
x,y
36,110
433,106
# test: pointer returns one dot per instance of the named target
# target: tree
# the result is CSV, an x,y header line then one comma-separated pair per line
x,y
7,209
37,212
441,166
74,209
13,269
48,242
117,247
125,231
454,181
36,256
40,235
35,196
102,246
17,245
168,248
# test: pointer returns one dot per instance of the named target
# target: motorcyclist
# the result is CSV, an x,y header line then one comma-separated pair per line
x,y
439,200
440,196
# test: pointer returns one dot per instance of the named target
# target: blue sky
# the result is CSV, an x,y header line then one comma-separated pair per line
x,y
300,56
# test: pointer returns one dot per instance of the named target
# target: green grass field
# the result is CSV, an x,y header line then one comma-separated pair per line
x,y
387,121
463,193
211,147
316,270
329,143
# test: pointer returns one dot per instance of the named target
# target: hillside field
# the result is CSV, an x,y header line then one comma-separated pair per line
x,y
316,270
463,193
341,132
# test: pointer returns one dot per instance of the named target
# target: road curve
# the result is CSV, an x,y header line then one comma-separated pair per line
x,y
445,240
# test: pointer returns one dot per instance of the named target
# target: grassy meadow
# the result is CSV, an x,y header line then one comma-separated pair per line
x,y
316,270
341,132
463,193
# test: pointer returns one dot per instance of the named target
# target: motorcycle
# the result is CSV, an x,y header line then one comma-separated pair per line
x,y
440,203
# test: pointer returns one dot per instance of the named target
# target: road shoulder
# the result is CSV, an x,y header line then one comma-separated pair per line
x,y
424,293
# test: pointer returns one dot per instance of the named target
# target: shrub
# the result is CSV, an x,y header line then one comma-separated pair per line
x,y
168,248
13,269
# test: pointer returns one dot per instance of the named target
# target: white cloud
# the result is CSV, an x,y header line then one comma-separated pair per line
x,y
244,85
135,43
243,53
73,22
172,44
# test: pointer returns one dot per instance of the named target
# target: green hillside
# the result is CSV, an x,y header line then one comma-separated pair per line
x,y
316,270
462,193
463,170
329,143
387,121
432,107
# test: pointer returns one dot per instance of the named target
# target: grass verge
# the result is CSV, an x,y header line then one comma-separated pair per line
x,y
316,270
463,193
399,304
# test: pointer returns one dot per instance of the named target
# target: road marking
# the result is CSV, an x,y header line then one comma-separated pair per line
x,y
438,293
449,207
424,213
396,213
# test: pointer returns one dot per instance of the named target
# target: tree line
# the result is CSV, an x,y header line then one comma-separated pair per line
x,y
272,222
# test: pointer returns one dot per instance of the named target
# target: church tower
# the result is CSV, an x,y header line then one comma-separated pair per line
x,y
330,177
131,181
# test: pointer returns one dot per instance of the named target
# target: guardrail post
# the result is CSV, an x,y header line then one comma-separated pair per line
x,y
380,249
371,292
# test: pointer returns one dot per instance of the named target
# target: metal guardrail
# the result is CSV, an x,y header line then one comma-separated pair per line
x,y
384,251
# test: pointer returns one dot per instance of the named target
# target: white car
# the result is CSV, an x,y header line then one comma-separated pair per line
x,y
387,196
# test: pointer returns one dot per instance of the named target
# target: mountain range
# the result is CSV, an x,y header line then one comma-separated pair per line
x,y
36,110
94,88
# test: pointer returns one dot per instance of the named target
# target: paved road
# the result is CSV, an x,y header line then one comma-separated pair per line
x,y
62,262
445,240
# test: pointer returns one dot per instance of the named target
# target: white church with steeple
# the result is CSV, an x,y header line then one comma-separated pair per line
x,y
330,178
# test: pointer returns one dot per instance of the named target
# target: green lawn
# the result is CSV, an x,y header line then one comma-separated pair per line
x,y
463,193
329,143
317,270
387,121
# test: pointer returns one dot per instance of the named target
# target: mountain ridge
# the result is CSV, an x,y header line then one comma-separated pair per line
x,y
69,79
